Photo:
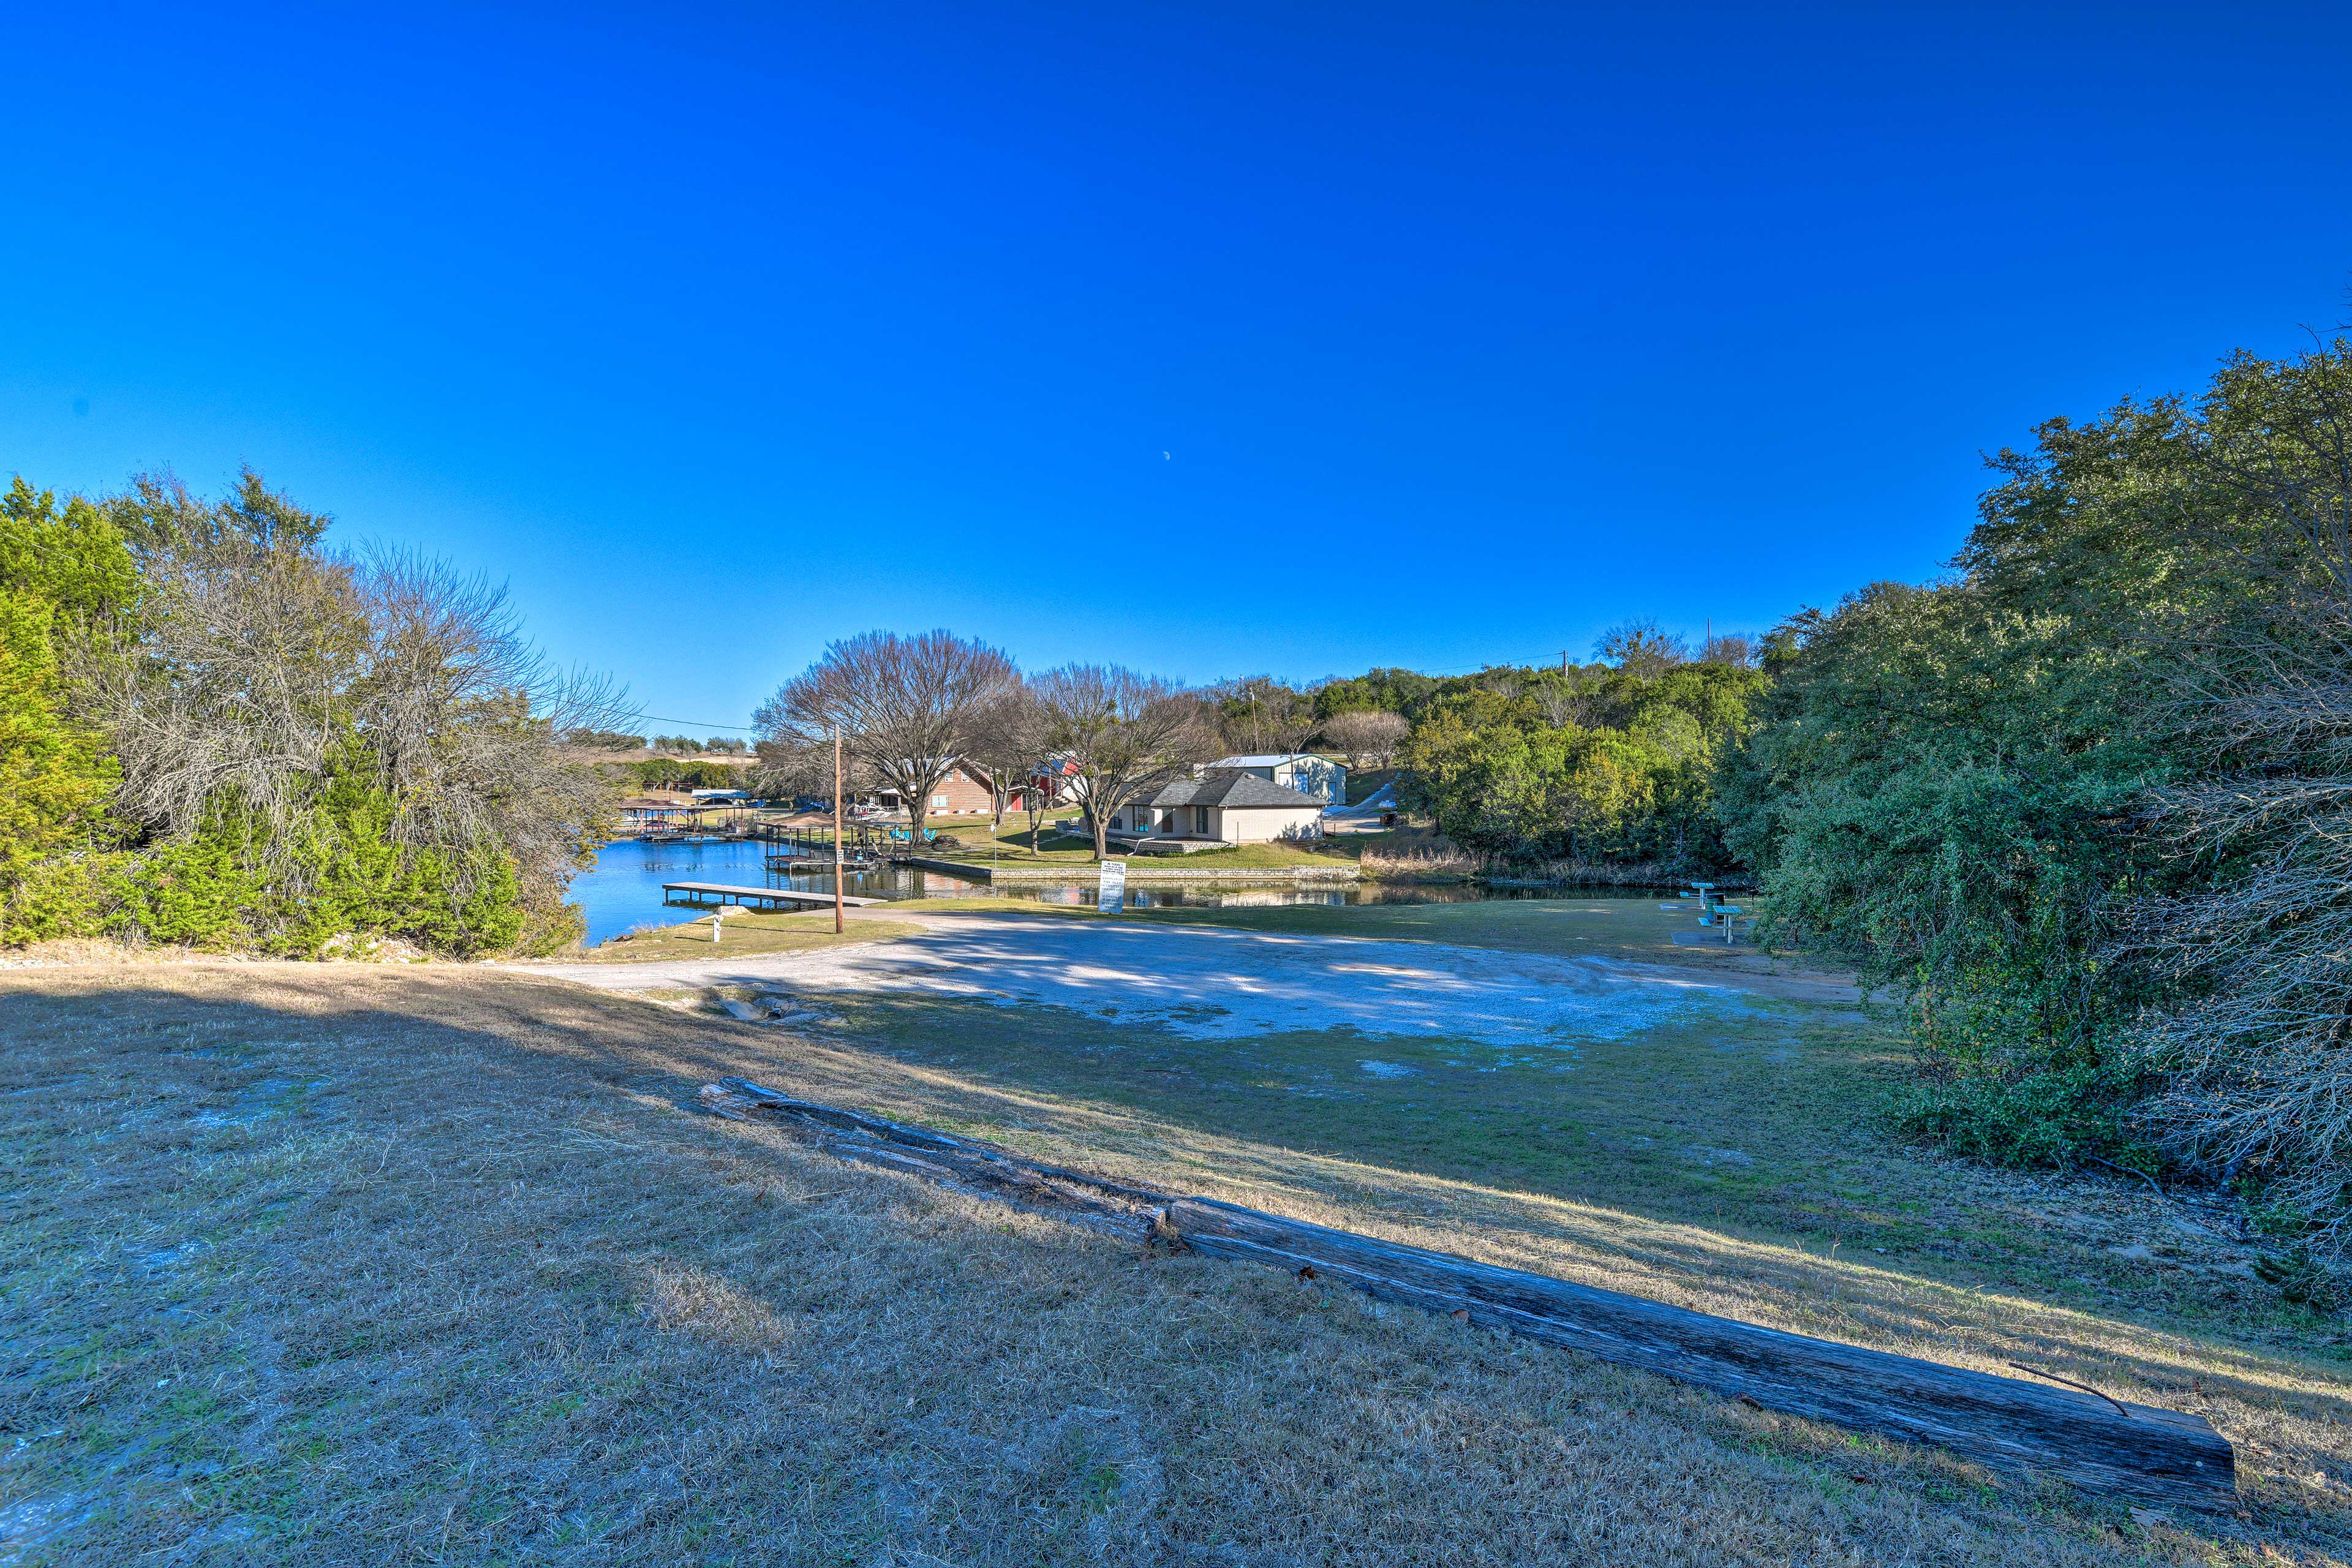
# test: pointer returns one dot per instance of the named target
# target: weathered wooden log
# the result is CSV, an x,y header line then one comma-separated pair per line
x,y
1118,1207
2138,1451
2135,1450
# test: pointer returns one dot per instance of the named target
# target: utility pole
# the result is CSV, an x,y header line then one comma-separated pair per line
x,y
837,830
1563,661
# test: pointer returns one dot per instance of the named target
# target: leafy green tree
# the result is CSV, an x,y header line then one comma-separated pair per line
x,y
683,773
215,731
1594,763
65,577
1977,790
159,515
1385,690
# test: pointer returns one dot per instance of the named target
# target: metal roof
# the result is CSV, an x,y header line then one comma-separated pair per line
x,y
1233,791
1272,760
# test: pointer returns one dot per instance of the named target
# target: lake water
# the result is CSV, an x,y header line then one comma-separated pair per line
x,y
623,890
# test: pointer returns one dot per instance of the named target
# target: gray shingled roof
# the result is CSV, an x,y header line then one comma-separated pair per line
x,y
1232,790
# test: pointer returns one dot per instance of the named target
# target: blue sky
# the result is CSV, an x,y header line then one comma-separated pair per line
x,y
1212,340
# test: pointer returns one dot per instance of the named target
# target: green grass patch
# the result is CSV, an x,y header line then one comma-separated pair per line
x,y
1635,928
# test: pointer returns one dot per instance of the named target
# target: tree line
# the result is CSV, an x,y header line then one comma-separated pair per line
x,y
904,712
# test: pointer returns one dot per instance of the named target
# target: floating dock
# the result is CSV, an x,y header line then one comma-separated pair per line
x,y
698,892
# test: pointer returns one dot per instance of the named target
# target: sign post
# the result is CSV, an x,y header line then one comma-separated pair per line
x,y
1114,888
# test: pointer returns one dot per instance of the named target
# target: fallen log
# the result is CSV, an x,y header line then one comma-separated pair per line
x,y
2138,1451
1123,1209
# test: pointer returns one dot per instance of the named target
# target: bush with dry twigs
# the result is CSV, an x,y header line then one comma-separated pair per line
x,y
2089,801
2255,1060
315,746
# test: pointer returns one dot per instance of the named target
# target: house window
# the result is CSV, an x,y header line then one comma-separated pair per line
x,y
1200,819
938,801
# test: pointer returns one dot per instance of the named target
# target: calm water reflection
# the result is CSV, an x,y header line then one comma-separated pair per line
x,y
623,891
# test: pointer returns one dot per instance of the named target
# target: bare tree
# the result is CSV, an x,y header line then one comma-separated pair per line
x,y
1259,715
1039,801
1370,734
264,667
1736,650
1007,742
787,767
2254,1062
232,693
465,720
1123,735
1502,681
906,707
1639,648
1564,705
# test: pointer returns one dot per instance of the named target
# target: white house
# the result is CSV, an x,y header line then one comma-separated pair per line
x,y
1224,807
1302,771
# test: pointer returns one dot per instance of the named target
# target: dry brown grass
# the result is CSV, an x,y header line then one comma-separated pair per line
x,y
1423,859
1408,856
363,1265
742,936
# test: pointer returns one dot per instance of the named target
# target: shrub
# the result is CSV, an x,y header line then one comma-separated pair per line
x,y
2063,1117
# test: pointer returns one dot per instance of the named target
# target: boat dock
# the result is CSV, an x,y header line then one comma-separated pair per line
x,y
791,865
698,892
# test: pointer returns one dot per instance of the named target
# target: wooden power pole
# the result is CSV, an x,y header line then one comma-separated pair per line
x,y
837,830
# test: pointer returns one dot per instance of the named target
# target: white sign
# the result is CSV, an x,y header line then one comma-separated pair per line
x,y
1113,886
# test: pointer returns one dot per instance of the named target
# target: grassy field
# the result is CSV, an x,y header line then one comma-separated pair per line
x,y
353,1265
742,935
1640,929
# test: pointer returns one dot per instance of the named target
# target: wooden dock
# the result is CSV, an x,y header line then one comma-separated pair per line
x,y
698,892
813,865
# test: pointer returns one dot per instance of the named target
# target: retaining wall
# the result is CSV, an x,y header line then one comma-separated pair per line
x,y
1271,876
